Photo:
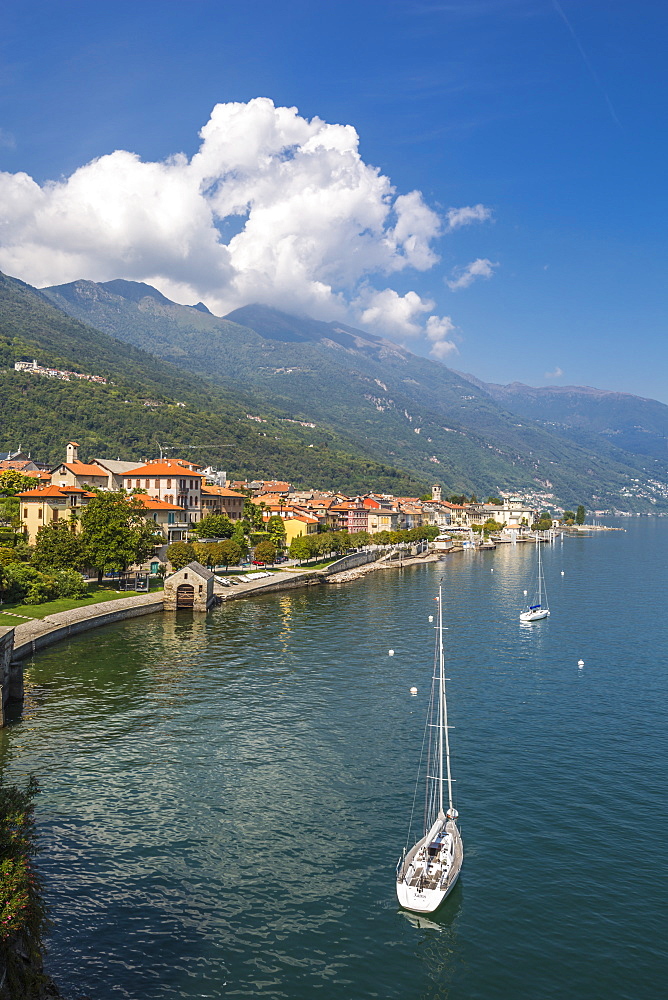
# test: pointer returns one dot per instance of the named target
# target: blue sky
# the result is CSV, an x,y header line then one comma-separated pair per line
x,y
546,118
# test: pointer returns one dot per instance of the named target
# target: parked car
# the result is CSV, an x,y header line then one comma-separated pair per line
x,y
257,562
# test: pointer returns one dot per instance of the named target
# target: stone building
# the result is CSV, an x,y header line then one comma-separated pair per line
x,y
190,587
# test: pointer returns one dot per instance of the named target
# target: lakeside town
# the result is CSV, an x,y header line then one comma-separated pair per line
x,y
177,495
63,526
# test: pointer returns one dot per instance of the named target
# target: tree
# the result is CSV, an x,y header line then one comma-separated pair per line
x,y
8,555
340,542
300,548
492,525
265,552
115,532
214,526
494,500
206,553
580,515
253,514
239,536
58,548
229,553
23,905
568,516
276,529
12,482
24,583
180,554
70,583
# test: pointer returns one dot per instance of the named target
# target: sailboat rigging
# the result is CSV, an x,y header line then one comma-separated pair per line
x,y
539,609
427,873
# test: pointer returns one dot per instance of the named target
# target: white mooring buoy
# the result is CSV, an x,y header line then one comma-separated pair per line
x,y
562,572
581,664
390,652
413,690
431,618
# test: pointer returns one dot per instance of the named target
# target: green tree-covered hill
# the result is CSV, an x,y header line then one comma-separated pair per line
x,y
415,413
190,416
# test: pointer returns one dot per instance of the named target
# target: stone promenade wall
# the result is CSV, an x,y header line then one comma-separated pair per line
x,y
350,562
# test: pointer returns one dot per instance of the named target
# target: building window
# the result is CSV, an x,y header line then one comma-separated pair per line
x,y
39,513
25,511
169,484
147,483
55,515
137,482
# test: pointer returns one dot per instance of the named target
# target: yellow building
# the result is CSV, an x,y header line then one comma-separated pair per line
x,y
51,505
299,524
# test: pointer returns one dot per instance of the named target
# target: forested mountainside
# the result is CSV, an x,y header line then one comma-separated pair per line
x,y
412,412
148,404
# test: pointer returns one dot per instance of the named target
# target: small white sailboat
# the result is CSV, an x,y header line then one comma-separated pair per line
x,y
539,609
427,873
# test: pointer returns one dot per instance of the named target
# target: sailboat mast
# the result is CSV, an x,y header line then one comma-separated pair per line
x,y
540,573
444,738
440,699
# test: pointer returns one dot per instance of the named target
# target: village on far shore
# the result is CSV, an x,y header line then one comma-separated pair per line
x,y
181,501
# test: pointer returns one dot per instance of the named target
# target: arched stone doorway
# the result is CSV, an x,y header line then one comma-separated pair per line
x,y
185,596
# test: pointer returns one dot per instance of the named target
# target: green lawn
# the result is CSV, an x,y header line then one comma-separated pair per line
x,y
97,593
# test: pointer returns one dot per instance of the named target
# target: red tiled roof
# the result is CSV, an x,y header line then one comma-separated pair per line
x,y
221,491
151,504
82,469
53,491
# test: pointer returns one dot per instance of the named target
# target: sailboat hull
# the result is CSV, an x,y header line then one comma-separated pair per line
x,y
534,616
425,880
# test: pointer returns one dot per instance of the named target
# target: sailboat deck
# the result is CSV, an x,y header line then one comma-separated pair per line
x,y
434,878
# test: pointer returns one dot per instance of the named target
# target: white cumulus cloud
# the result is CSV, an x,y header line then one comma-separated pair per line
x,y
465,276
557,373
395,315
458,217
440,331
272,208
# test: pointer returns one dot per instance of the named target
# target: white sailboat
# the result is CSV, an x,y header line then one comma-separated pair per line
x,y
539,609
427,872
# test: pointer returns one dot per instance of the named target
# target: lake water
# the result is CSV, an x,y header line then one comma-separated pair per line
x,y
225,798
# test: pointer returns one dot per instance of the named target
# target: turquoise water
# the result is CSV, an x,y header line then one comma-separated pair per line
x,y
224,799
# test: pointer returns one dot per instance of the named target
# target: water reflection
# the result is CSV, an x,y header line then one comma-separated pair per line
x,y
437,946
224,798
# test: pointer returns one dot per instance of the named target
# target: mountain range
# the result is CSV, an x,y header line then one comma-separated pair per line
x,y
434,423
149,405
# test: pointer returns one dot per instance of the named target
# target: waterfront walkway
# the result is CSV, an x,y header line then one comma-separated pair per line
x,y
31,636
